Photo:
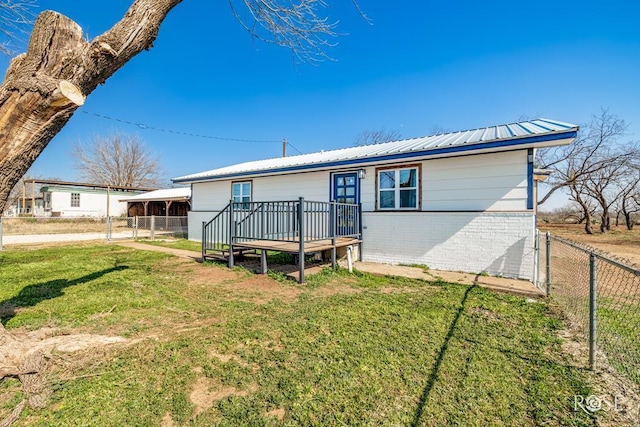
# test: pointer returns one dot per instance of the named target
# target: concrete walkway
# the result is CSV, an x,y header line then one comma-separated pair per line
x,y
500,284
196,256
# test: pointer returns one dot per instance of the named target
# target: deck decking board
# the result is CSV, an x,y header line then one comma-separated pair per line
x,y
294,247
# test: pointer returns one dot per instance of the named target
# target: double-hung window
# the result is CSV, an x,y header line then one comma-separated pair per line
x,y
398,188
241,193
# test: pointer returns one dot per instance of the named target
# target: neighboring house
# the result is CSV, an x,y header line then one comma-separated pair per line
x,y
32,206
462,201
76,199
164,202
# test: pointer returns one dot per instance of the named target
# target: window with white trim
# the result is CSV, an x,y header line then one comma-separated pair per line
x,y
75,200
398,189
241,192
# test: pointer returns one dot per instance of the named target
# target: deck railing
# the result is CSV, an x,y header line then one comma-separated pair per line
x,y
215,233
298,221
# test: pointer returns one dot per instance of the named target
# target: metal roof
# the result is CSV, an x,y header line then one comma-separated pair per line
x,y
180,193
526,134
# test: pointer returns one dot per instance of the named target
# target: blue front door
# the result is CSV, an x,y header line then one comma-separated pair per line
x,y
346,189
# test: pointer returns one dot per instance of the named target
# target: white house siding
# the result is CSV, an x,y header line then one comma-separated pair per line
x,y
214,196
310,185
208,198
499,243
93,204
486,182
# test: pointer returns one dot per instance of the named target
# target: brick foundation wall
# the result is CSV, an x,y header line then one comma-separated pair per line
x,y
499,243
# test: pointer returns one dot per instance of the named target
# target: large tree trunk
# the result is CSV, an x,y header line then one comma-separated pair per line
x,y
629,222
587,222
605,221
44,86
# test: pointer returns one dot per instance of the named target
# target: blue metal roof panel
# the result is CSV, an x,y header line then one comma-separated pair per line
x,y
505,135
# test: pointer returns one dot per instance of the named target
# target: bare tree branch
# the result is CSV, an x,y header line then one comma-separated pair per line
x,y
379,136
15,18
297,25
118,160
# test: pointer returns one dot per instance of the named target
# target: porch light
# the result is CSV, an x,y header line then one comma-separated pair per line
x,y
362,173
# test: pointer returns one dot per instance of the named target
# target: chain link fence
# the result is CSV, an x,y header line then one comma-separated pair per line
x,y
39,230
599,295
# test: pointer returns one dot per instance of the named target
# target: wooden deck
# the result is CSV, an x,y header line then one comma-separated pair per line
x,y
243,227
294,247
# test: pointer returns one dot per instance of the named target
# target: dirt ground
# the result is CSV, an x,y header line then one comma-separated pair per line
x,y
619,242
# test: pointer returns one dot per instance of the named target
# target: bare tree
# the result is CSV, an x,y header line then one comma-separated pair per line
x,y
572,213
608,184
44,86
438,130
119,159
587,164
369,137
628,203
19,191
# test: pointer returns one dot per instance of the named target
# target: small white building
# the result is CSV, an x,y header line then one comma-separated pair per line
x,y
71,199
163,202
461,201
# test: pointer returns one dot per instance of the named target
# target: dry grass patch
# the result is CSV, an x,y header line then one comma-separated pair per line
x,y
619,242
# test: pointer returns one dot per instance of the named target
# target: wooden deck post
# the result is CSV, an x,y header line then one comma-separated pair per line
x,y
360,232
204,240
232,227
263,261
333,224
301,238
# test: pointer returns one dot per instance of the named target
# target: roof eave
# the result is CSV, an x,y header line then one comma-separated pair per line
x,y
157,199
536,141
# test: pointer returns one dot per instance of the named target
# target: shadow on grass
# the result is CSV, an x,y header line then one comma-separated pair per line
x,y
424,398
31,295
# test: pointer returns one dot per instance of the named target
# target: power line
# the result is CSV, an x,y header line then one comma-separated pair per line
x,y
145,126
289,144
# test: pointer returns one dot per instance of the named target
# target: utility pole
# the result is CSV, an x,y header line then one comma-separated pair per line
x,y
24,197
33,197
284,147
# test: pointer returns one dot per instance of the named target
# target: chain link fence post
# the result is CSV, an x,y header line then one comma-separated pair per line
x,y
135,228
548,260
109,230
152,227
592,309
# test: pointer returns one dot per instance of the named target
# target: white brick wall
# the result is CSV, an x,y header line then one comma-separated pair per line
x,y
500,243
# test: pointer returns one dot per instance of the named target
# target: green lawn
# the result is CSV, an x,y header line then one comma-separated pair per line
x,y
618,335
220,347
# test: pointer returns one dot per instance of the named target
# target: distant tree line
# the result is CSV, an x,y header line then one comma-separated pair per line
x,y
600,173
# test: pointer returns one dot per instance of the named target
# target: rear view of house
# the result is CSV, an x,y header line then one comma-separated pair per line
x,y
462,201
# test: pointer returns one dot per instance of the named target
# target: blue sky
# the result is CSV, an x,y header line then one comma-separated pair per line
x,y
422,65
